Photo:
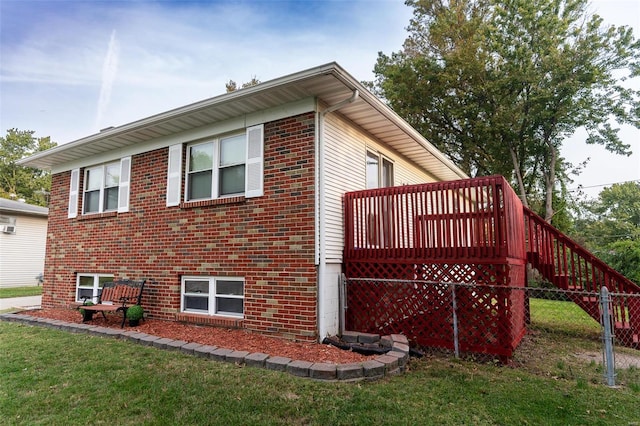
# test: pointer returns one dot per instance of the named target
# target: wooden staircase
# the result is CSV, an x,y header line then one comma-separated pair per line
x,y
571,267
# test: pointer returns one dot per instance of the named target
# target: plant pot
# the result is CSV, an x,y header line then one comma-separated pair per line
x,y
87,315
134,322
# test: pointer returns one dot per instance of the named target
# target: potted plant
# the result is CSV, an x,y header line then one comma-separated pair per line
x,y
134,315
87,315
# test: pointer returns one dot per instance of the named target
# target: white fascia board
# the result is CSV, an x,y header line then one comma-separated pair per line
x,y
199,133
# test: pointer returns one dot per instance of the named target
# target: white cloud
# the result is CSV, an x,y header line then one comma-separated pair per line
x,y
174,53
109,73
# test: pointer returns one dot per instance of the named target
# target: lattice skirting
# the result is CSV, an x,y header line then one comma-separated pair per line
x,y
490,317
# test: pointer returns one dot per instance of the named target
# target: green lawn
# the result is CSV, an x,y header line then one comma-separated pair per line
x,y
59,378
20,291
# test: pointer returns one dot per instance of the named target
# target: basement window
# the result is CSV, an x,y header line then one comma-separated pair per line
x,y
89,286
213,296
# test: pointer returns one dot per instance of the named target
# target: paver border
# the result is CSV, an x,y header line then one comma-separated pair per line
x,y
391,363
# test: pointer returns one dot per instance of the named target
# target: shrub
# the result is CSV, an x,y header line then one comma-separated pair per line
x,y
135,313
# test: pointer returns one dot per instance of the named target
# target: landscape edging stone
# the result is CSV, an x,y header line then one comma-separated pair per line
x,y
393,362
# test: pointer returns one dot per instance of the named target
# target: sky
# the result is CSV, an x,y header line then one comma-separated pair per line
x,y
70,68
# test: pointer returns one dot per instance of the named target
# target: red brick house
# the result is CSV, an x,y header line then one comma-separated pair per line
x,y
233,205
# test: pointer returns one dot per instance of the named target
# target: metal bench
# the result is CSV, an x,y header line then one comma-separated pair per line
x,y
114,296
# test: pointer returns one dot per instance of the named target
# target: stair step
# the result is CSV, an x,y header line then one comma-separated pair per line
x,y
562,281
622,325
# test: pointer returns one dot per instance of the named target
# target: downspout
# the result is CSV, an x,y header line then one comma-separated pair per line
x,y
321,209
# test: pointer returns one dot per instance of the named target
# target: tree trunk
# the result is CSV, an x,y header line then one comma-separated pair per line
x,y
517,171
550,181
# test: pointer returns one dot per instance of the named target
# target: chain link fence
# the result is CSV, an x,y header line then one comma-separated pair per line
x,y
548,330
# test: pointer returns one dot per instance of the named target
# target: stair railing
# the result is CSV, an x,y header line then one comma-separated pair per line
x,y
570,266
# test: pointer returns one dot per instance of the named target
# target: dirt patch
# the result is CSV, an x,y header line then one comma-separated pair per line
x,y
622,360
240,340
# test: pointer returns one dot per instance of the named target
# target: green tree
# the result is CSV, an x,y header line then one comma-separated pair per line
x,y
610,227
16,181
498,85
232,86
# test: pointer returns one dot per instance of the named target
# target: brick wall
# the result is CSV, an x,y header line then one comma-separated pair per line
x,y
267,240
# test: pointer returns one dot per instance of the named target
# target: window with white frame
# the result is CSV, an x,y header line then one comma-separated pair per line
x,y
216,168
213,295
225,166
379,171
105,188
101,188
88,286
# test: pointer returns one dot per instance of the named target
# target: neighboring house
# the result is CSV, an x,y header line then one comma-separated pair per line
x,y
233,205
23,237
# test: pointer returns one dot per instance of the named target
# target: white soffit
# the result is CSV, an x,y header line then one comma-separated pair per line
x,y
328,83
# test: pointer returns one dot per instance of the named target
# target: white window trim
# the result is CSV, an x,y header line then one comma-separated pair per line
x,y
253,172
124,184
381,160
96,284
215,170
213,309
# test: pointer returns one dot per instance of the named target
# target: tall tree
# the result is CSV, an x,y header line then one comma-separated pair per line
x,y
498,85
21,182
610,227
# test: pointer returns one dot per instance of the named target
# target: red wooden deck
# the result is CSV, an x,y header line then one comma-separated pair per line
x,y
467,231
470,233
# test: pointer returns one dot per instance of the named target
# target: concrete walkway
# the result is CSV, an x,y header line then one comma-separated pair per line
x,y
28,302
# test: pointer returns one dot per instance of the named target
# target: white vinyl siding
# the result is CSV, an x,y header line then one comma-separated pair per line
x,y
345,155
22,253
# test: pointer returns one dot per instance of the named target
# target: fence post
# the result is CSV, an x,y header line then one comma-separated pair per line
x,y
342,302
607,337
456,348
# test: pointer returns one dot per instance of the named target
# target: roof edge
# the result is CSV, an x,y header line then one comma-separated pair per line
x,y
183,110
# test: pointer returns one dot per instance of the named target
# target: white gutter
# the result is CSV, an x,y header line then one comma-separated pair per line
x,y
321,209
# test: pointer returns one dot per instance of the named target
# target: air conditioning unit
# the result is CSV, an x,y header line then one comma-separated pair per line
x,y
8,229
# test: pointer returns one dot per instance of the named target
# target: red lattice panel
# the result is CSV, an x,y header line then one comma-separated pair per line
x,y
490,317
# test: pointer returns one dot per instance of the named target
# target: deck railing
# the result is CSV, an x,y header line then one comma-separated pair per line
x,y
477,219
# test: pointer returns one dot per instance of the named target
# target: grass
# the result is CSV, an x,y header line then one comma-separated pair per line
x,y
5,293
564,317
55,377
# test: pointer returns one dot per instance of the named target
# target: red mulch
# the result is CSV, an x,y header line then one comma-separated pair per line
x,y
240,340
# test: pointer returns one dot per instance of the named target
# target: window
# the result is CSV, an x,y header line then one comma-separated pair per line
x,y
379,171
216,169
106,188
379,231
89,286
213,295
101,188
221,167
